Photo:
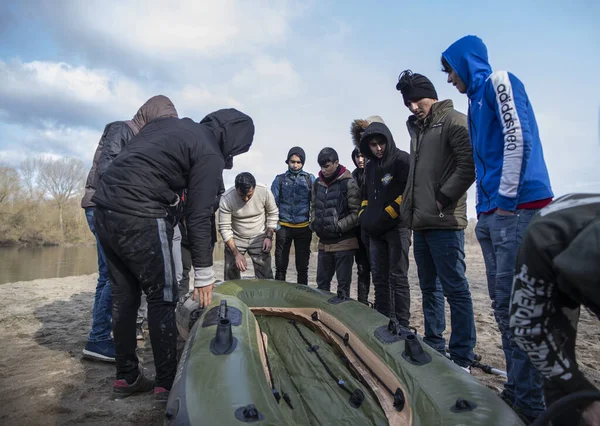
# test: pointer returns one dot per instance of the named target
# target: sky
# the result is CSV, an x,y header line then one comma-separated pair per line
x,y
303,70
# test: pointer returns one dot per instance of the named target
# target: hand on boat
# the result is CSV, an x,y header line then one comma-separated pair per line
x,y
203,295
591,415
240,262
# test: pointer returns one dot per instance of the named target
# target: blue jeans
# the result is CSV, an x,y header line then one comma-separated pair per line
x,y
500,238
440,259
102,312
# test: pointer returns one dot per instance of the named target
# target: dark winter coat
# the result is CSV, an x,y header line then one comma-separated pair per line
x,y
117,133
334,208
441,169
170,155
385,181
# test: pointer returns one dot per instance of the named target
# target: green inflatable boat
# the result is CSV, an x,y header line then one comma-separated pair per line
x,y
273,353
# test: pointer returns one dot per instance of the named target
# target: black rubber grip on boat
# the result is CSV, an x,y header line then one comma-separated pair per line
x,y
413,351
248,414
223,343
462,405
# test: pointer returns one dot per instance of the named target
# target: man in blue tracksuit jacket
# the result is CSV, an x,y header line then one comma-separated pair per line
x,y
512,185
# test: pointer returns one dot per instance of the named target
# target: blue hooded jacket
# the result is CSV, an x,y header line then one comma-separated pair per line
x,y
507,150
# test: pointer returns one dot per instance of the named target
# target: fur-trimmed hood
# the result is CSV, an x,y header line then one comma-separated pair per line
x,y
359,125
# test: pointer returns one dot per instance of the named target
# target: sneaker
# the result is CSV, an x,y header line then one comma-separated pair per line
x,y
101,351
139,332
161,396
122,389
467,369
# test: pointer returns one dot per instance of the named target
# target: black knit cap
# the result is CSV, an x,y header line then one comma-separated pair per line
x,y
296,151
415,86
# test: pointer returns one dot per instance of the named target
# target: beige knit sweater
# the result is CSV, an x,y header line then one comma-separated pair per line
x,y
247,220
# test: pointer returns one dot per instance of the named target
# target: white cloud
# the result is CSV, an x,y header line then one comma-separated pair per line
x,y
43,90
186,28
268,78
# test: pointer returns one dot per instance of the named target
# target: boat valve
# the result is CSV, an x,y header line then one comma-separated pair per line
x,y
223,343
413,351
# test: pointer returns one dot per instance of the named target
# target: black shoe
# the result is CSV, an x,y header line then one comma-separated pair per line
x,y
122,389
524,417
504,396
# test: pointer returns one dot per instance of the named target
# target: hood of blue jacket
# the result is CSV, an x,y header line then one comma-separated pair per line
x,y
469,58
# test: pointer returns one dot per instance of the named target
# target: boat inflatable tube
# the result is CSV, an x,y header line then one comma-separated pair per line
x,y
273,353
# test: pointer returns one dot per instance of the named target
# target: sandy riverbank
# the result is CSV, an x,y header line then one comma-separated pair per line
x,y
44,325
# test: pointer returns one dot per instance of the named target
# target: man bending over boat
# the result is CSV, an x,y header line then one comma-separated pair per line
x,y
116,136
133,200
248,217
558,270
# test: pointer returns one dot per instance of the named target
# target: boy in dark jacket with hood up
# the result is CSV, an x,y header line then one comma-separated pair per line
x,y
557,272
116,136
334,216
389,238
292,192
512,185
363,265
435,207
133,201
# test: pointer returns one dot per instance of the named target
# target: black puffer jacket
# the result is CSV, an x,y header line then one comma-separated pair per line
x,y
385,181
334,208
170,155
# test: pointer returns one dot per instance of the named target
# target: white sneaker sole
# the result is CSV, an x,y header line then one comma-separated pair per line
x,y
94,355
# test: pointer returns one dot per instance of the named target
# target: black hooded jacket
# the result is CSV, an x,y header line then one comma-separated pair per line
x,y
170,155
358,174
384,182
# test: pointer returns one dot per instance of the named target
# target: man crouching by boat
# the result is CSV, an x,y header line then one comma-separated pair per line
x,y
557,272
248,217
132,202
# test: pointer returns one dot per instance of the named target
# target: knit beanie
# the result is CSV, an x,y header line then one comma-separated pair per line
x,y
296,151
415,86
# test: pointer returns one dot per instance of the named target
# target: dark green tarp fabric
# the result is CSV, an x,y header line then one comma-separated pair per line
x,y
316,397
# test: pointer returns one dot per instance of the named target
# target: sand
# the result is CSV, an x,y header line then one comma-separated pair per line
x,y
44,326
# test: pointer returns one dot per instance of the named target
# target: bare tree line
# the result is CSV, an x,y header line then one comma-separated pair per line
x,y
39,201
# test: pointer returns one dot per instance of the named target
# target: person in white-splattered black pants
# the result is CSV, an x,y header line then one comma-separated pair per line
x,y
558,270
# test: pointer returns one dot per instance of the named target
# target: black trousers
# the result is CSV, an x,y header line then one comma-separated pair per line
x,y
139,255
363,267
389,265
301,237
